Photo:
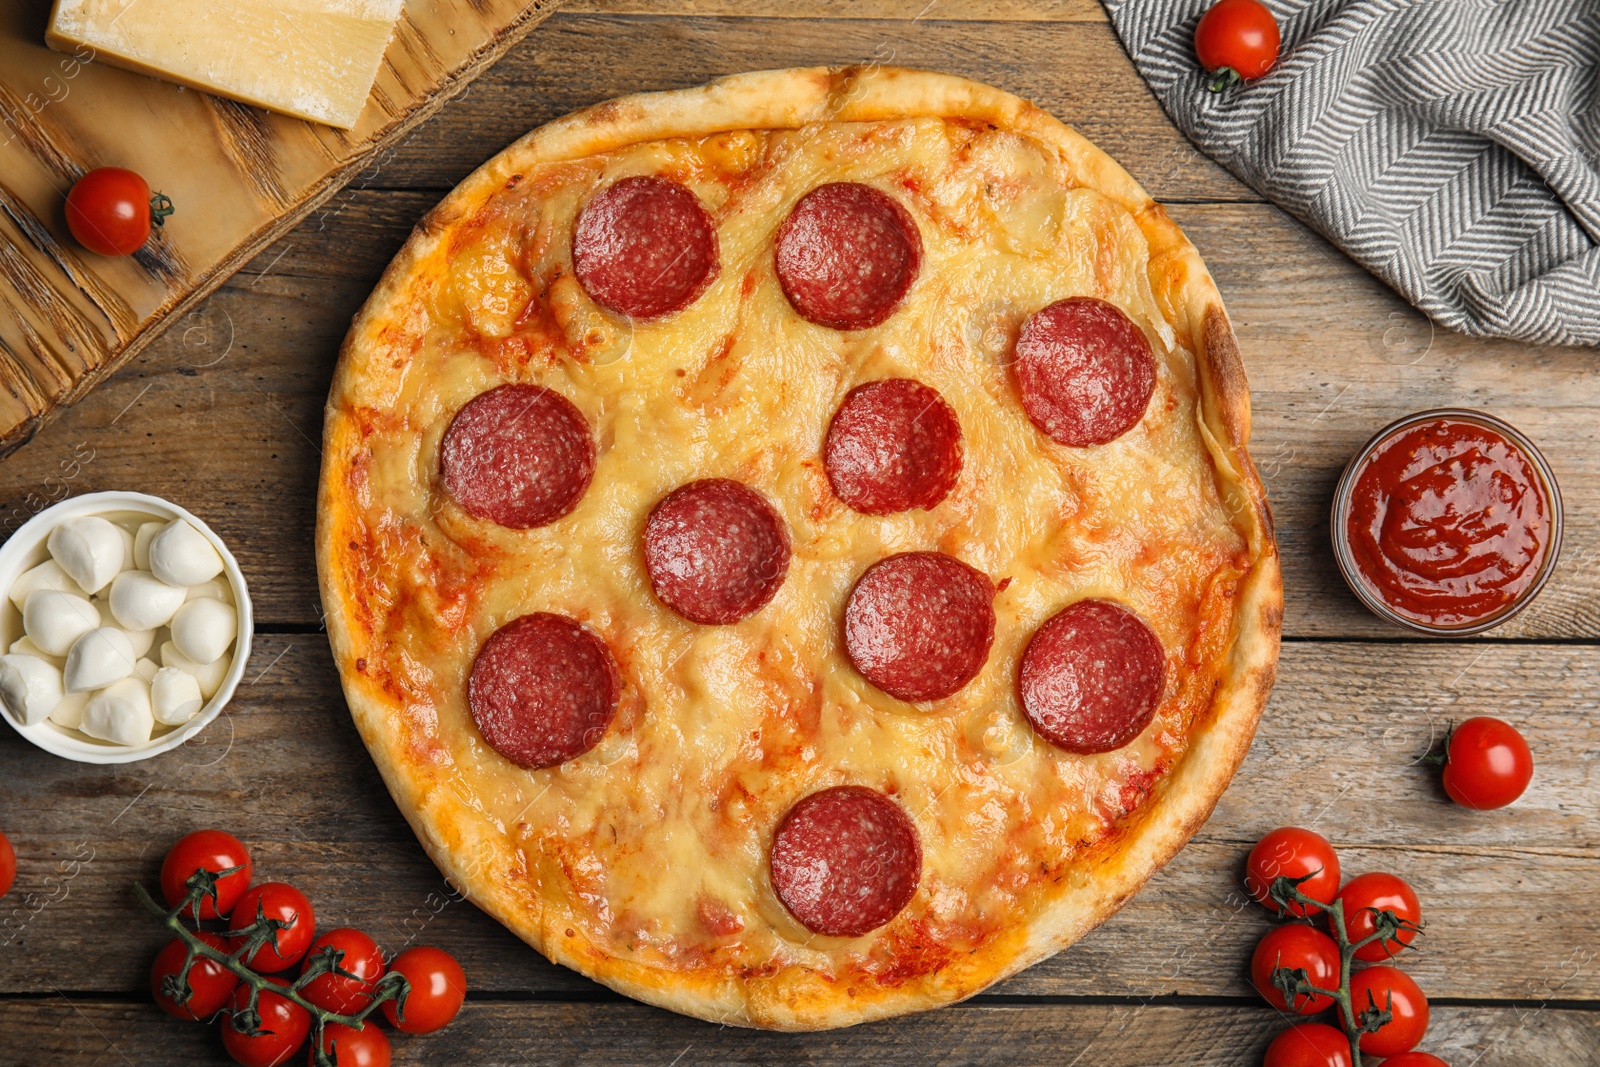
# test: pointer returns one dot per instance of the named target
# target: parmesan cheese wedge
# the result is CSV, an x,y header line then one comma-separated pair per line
x,y
314,59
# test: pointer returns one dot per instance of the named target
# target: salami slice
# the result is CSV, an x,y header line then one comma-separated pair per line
x,y
519,455
893,445
1085,371
845,861
846,255
715,551
919,625
1091,677
645,247
543,690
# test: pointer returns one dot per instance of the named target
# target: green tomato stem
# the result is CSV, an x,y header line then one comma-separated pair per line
x,y
1289,890
1223,78
391,986
160,208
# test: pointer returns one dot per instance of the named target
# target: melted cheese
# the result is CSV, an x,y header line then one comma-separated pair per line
x,y
655,843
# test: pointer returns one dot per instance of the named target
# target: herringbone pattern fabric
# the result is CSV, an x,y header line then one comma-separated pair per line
x,y
1452,147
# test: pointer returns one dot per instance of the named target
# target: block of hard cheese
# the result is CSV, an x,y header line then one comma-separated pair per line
x,y
314,59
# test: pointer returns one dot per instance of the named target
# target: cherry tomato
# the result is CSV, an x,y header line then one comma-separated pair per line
x,y
214,850
335,992
1291,852
1415,1059
1392,989
437,989
109,211
366,1047
1238,38
286,904
1295,946
8,865
1367,894
211,984
1308,1045
284,1026
1487,764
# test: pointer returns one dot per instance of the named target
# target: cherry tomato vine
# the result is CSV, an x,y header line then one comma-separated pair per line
x,y
202,887
342,980
1382,928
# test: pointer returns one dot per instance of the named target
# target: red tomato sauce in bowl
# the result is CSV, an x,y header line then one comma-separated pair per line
x,y
1447,522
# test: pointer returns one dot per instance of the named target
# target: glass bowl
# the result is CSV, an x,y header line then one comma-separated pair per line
x,y
1341,512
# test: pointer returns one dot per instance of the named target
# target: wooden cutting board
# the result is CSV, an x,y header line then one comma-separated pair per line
x,y
238,175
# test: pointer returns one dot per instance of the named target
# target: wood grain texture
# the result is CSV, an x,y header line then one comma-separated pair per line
x,y
68,1029
1333,356
223,413
240,177
1507,896
1326,371
905,10
1076,71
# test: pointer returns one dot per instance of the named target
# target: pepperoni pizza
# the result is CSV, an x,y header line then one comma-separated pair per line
x,y
789,545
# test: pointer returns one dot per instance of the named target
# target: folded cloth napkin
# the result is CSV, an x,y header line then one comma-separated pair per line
x,y
1451,147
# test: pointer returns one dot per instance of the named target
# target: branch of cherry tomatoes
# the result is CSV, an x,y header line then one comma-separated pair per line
x,y
1297,968
271,927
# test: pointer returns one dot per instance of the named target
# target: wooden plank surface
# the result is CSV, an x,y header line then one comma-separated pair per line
x,y
1325,373
919,11
1328,365
1076,71
223,413
239,175
62,1029
285,770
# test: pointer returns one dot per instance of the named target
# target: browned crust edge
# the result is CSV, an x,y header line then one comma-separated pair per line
x,y
464,845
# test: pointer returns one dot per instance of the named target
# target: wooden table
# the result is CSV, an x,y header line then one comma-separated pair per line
x,y
224,415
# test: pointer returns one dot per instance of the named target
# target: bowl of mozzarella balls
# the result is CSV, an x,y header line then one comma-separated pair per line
x,y
126,626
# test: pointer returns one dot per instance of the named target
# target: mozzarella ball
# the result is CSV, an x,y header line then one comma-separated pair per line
x,y
146,668
30,688
54,620
47,575
215,589
98,658
121,713
175,696
141,601
24,646
141,543
209,675
203,629
181,555
127,546
90,549
141,640
69,713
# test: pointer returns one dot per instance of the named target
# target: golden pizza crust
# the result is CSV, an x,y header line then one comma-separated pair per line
x,y
474,853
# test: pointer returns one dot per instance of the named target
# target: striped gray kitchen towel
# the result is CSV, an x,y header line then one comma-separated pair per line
x,y
1451,147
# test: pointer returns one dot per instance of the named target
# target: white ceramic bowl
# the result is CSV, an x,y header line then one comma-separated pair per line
x,y
26,550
